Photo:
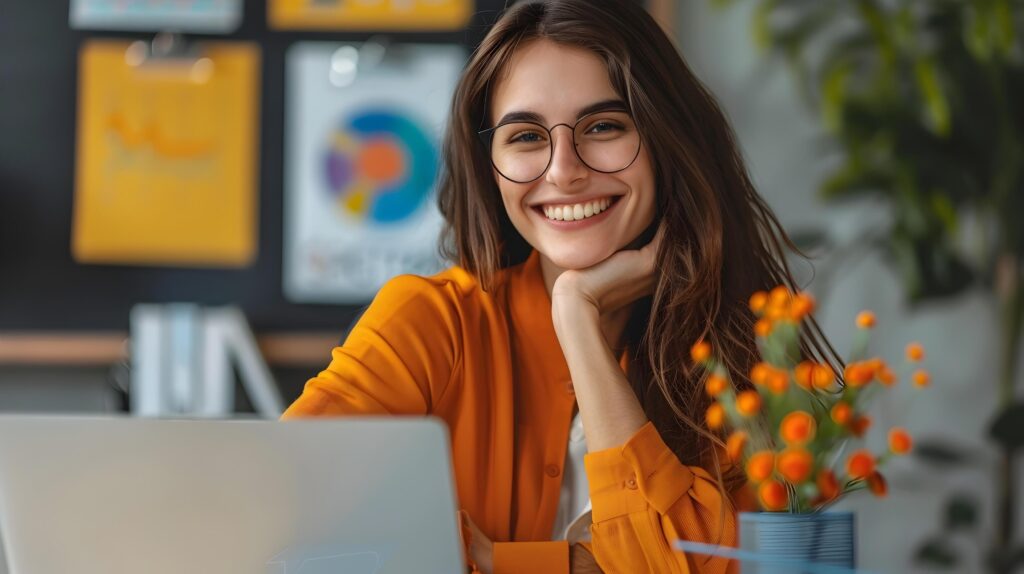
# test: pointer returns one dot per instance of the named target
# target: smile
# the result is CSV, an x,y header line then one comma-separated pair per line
x,y
577,211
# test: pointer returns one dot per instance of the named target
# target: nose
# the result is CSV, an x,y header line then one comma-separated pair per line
x,y
566,170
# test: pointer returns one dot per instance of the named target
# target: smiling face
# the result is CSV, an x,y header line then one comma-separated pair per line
x,y
573,215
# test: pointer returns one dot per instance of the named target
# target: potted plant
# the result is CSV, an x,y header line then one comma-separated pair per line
x,y
797,433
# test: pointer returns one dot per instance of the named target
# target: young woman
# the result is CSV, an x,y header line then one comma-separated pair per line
x,y
602,222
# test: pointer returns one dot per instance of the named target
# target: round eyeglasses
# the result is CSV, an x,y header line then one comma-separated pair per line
x,y
521,151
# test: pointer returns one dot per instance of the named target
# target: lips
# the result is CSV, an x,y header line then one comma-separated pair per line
x,y
564,215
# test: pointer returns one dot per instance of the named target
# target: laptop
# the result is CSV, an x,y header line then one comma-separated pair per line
x,y
126,495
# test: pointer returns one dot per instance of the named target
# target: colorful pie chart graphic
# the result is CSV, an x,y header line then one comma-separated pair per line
x,y
380,166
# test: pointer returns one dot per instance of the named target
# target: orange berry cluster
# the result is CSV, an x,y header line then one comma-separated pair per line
x,y
779,305
790,455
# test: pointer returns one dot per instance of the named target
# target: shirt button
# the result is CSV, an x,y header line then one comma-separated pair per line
x,y
631,482
552,470
569,388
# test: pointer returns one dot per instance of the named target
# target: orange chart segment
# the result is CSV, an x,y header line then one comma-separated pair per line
x,y
166,157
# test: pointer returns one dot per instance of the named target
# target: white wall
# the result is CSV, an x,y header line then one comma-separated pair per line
x,y
783,144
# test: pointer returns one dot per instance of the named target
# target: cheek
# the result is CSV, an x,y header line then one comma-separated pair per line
x,y
643,183
512,198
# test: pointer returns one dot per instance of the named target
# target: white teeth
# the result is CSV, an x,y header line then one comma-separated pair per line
x,y
578,211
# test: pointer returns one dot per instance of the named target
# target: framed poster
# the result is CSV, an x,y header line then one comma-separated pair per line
x,y
363,125
165,168
204,16
425,15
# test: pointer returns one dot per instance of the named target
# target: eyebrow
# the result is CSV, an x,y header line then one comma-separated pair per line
x,y
527,116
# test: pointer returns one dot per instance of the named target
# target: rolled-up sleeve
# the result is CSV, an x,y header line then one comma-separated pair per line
x,y
644,500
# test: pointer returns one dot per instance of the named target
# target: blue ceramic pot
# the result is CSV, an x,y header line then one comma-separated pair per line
x,y
783,540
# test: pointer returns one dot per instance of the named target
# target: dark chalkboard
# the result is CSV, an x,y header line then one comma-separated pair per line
x,y
41,286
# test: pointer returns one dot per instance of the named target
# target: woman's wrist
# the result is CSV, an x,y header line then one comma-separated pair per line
x,y
569,313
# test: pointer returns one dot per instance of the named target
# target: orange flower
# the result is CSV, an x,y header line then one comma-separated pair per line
x,y
700,352
763,328
915,352
760,465
822,376
899,441
715,385
802,306
828,486
780,295
778,381
798,427
802,374
860,464
759,374
922,378
887,377
875,364
773,495
775,312
860,425
866,320
758,301
735,444
810,375
715,416
858,374
748,403
842,413
795,464
876,482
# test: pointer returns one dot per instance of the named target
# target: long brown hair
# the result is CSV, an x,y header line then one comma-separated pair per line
x,y
722,241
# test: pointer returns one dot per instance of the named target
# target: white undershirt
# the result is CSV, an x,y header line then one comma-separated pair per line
x,y
572,521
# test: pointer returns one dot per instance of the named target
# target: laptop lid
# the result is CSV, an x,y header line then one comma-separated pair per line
x,y
355,495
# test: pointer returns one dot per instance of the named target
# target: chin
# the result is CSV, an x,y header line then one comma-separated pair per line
x,y
576,259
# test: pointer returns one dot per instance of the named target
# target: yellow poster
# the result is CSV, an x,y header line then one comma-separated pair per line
x,y
369,14
166,156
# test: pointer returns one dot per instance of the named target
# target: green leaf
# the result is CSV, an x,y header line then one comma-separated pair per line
x,y
1004,26
936,104
833,95
944,211
1008,427
977,36
760,25
961,512
936,553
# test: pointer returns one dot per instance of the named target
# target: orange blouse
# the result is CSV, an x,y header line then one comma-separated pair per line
x,y
490,365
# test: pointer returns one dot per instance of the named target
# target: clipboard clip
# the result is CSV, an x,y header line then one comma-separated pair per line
x,y
169,52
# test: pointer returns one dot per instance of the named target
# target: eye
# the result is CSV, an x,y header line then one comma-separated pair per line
x,y
604,126
525,137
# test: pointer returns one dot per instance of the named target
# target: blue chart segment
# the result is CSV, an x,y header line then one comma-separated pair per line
x,y
380,166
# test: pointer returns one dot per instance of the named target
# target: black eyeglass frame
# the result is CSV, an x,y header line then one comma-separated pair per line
x,y
487,139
